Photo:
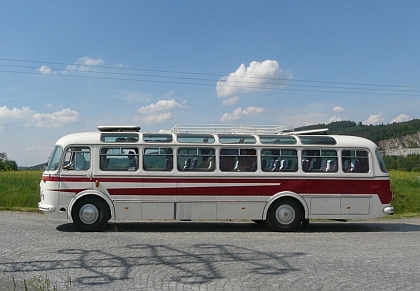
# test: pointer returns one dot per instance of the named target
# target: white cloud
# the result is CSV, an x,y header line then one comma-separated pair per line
x,y
338,109
231,101
401,118
374,119
152,109
15,113
45,70
84,63
257,76
154,118
31,117
56,119
335,118
239,113
161,105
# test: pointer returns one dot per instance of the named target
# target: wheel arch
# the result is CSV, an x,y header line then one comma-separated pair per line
x,y
286,195
92,193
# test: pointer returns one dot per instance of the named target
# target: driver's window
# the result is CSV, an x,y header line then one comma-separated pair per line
x,y
77,158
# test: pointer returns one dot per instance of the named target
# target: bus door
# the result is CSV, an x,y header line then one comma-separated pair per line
x,y
76,173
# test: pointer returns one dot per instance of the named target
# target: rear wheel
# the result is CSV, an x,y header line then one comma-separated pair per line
x,y
285,215
90,214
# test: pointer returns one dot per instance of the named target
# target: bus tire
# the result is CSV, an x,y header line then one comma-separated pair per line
x,y
285,215
90,214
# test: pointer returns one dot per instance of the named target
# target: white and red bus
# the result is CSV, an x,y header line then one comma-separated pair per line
x,y
201,173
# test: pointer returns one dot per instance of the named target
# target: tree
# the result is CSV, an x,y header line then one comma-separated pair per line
x,y
6,164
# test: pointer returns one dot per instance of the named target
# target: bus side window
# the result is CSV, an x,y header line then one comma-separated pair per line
x,y
119,159
77,158
196,159
238,160
355,161
279,160
158,159
319,161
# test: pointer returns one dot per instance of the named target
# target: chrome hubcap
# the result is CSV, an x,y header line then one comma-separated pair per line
x,y
88,213
285,214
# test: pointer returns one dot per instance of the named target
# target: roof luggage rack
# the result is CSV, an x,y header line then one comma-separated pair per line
x,y
230,128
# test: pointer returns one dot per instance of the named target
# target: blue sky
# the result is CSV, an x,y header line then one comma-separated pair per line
x,y
69,66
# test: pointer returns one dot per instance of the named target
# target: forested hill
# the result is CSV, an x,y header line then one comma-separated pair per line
x,y
375,133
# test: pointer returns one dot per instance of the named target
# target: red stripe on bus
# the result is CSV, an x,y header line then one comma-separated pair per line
x,y
246,187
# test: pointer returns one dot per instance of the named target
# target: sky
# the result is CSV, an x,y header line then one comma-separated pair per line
x,y
70,66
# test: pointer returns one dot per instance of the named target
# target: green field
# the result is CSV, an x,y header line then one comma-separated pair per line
x,y
406,188
19,190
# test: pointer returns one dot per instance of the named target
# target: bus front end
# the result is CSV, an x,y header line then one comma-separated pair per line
x,y
49,187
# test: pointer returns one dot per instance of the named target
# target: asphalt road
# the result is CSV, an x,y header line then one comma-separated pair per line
x,y
45,254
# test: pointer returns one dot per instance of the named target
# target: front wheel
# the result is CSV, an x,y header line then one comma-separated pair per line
x,y
90,214
285,215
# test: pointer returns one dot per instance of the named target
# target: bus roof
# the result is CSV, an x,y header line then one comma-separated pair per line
x,y
92,138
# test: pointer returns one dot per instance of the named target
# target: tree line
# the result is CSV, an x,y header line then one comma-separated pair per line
x,y
375,133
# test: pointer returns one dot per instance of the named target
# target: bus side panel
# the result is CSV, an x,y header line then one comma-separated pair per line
x,y
190,211
161,210
127,210
355,205
324,205
383,189
356,186
240,210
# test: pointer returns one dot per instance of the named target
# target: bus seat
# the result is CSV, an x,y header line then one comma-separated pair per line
x,y
211,164
272,165
194,164
276,166
187,165
237,165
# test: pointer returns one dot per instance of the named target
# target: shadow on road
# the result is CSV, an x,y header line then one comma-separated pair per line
x,y
199,226
199,264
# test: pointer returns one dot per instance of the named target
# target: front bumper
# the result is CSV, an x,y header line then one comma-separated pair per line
x,y
389,210
46,208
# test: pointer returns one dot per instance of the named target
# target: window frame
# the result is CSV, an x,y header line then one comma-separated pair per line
x,y
279,162
242,161
321,162
166,164
198,161
131,164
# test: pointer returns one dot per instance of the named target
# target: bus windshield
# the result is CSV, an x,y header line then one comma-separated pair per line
x,y
381,161
54,159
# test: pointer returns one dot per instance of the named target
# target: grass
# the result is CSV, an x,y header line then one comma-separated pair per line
x,y
35,283
406,188
19,191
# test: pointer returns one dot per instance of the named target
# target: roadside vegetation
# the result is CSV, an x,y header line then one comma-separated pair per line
x,y
19,191
406,188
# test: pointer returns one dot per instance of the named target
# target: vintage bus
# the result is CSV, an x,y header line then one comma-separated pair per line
x,y
265,174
